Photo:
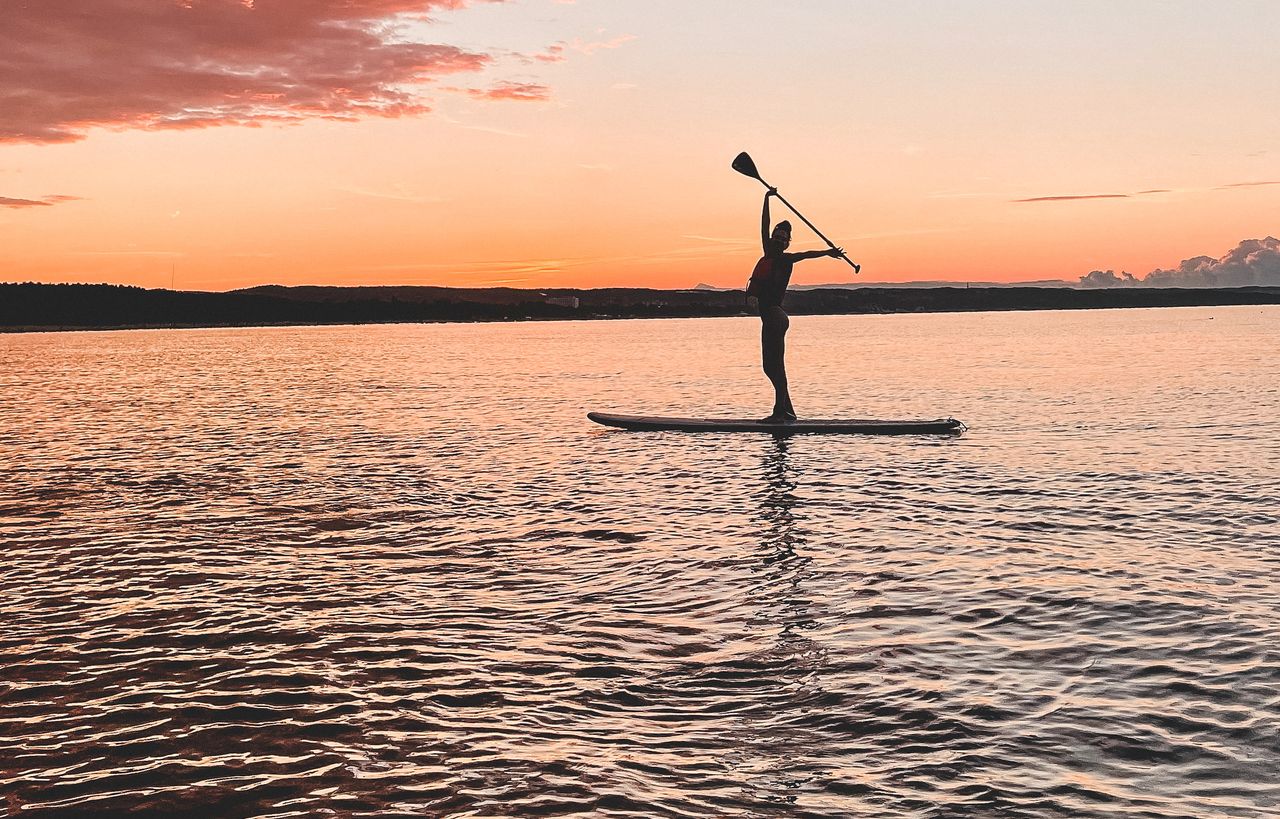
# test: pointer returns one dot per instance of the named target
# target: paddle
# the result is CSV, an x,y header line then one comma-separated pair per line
x,y
742,164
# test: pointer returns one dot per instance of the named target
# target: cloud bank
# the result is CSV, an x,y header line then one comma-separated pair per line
x,y
67,66
1253,262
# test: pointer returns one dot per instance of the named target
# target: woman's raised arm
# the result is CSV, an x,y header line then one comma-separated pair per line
x,y
764,220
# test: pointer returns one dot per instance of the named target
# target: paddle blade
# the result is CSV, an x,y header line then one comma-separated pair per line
x,y
742,164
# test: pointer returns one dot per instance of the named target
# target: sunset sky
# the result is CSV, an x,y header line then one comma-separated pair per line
x,y
536,143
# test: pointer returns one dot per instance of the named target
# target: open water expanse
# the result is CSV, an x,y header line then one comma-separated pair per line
x,y
394,571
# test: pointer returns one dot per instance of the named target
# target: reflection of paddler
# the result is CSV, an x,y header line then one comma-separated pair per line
x,y
769,285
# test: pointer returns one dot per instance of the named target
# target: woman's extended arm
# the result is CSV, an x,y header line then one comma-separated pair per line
x,y
834,253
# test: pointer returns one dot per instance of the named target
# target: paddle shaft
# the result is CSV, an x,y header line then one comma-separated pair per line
x,y
830,244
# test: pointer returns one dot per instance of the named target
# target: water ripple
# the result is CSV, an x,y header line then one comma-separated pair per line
x,y
390,571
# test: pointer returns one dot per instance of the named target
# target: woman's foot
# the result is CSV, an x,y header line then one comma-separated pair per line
x,y
779,418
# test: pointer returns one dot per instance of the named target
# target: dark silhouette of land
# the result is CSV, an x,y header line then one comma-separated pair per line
x,y
101,306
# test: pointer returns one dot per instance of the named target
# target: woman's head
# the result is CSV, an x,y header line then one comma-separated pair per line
x,y
780,239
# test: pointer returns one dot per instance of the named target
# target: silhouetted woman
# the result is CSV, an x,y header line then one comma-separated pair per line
x,y
769,284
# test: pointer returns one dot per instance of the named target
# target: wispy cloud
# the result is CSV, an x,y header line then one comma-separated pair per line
x,y
69,66
10,202
487,129
482,272
478,273
888,234
469,272
1249,184
559,52
164,253
515,91
44,202
1071,197
590,47
1149,192
720,240
551,54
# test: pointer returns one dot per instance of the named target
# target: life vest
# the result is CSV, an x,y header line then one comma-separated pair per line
x,y
760,276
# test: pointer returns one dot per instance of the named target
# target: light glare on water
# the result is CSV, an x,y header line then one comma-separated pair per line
x,y
392,570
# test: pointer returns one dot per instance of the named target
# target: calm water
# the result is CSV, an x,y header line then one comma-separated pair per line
x,y
364,571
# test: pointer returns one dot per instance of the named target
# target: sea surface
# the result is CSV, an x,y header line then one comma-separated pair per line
x,y
394,571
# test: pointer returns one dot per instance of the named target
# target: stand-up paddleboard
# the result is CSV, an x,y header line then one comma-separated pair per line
x,y
941,426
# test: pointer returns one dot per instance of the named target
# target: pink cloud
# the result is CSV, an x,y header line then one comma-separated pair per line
x,y
67,66
520,91
10,202
553,54
591,47
558,52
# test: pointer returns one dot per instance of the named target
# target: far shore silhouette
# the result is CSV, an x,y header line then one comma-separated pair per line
x,y
42,307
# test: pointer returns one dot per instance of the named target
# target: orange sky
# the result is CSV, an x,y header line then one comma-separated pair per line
x,y
230,143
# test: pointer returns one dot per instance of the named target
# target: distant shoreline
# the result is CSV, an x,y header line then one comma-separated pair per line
x,y
79,307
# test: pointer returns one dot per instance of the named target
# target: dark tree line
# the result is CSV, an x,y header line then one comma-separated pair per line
x,y
101,306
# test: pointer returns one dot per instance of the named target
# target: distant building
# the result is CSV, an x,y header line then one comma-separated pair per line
x,y
564,301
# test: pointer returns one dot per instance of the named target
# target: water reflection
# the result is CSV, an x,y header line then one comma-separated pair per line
x,y
784,562
782,731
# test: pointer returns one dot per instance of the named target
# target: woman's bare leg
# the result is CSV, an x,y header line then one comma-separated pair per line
x,y
773,347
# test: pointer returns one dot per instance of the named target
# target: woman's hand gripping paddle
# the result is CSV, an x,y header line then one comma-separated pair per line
x,y
742,164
